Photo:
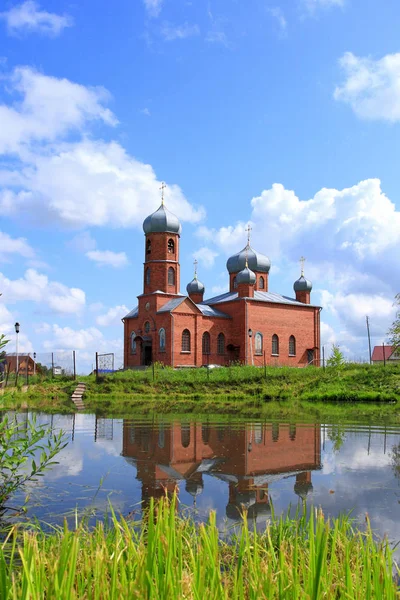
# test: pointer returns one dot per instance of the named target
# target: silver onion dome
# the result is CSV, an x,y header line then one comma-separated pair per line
x,y
302,285
195,287
246,276
256,261
162,221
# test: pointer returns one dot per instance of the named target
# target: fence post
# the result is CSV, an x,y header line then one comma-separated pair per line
x,y
74,359
52,365
97,366
384,357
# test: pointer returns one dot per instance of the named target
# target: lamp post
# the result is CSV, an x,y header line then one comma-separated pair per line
x,y
250,332
34,364
16,347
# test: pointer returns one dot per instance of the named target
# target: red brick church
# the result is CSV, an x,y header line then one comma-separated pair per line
x,y
244,325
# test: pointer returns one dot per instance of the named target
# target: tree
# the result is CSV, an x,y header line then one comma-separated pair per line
x,y
336,359
394,331
3,342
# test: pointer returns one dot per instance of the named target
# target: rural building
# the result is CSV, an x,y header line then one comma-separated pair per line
x,y
388,354
25,363
242,325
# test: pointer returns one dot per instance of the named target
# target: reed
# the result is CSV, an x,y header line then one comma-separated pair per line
x,y
170,557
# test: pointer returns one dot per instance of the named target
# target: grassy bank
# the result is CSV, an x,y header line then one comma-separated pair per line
x,y
172,558
353,391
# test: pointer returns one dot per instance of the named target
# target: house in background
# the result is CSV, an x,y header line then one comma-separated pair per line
x,y
389,354
25,364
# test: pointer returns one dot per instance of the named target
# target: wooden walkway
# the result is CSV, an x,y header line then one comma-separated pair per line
x,y
77,396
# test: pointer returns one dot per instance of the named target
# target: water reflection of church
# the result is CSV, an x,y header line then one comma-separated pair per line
x,y
248,459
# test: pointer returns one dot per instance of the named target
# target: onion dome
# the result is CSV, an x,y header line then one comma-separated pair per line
x,y
194,488
256,261
195,287
302,285
162,221
302,489
246,276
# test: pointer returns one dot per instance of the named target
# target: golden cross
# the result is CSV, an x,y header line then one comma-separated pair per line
x,y
195,268
162,188
248,229
302,261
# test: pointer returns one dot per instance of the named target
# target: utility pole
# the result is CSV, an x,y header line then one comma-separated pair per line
x,y
369,339
384,357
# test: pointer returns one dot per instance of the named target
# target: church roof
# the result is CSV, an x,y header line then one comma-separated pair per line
x,y
208,311
256,261
260,296
134,313
162,221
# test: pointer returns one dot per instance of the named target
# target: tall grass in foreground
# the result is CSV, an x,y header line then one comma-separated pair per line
x,y
170,558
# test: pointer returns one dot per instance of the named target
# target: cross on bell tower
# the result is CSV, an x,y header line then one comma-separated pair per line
x,y
302,261
162,188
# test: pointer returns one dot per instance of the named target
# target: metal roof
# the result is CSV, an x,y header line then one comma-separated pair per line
x,y
161,221
134,313
210,311
260,296
171,304
256,261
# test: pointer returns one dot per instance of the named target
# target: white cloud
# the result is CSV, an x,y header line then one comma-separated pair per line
x,y
28,18
36,287
205,256
371,87
6,320
80,183
313,5
107,258
178,32
146,112
113,316
66,337
228,237
9,245
215,36
42,328
278,14
153,7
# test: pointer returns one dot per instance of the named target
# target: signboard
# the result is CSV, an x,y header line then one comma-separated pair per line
x,y
57,371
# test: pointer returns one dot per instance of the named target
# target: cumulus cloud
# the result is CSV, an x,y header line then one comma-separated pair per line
x,y
113,316
80,183
36,287
29,18
9,245
205,256
371,87
178,32
107,258
66,337
153,7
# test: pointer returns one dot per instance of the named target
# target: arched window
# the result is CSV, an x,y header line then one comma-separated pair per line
x,y
186,340
147,327
161,335
133,343
171,246
234,283
261,283
148,247
292,346
275,345
258,433
206,343
148,275
185,434
221,343
171,276
258,343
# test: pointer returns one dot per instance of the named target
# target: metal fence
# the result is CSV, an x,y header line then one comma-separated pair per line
x,y
22,369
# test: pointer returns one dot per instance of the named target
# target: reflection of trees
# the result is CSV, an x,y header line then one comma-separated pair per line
x,y
336,434
395,455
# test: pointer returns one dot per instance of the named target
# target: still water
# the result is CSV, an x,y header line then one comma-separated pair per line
x,y
221,466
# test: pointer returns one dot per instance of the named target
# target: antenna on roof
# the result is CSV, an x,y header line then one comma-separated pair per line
x,y
162,188
302,261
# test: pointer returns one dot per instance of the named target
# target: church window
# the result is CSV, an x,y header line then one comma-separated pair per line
x,y
185,434
171,276
221,343
206,343
275,345
133,343
148,275
258,342
148,247
258,433
171,246
292,346
147,327
186,340
161,334
261,283
234,283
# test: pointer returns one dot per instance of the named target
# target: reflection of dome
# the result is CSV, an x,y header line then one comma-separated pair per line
x,y
302,285
302,489
193,487
259,510
257,262
195,287
161,221
246,276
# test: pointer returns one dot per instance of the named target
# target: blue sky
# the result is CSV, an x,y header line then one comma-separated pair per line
x,y
284,114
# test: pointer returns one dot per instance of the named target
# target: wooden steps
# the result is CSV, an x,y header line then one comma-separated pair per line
x,y
77,396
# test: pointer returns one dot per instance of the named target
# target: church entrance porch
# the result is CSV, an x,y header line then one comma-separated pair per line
x,y
147,353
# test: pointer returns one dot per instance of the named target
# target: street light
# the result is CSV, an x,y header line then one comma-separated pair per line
x,y
34,364
16,347
250,332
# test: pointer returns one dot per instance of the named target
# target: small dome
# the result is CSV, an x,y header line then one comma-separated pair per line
x,y
194,488
256,261
246,276
303,489
162,221
195,287
302,285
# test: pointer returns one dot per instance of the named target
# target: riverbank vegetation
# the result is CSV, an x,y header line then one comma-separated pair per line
x,y
171,557
351,390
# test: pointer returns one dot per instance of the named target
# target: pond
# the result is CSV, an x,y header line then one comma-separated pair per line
x,y
220,465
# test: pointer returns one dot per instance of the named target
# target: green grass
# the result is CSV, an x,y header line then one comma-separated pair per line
x,y
170,557
353,390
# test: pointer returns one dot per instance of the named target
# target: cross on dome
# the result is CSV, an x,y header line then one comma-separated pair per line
x,y
162,188
248,230
302,261
195,267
